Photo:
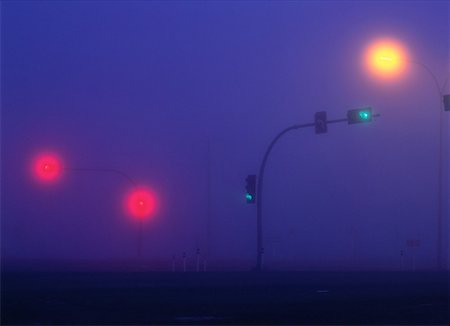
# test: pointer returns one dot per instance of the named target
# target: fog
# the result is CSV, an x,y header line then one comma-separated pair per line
x,y
185,97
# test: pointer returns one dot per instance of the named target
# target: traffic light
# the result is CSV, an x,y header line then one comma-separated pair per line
x,y
250,188
447,102
359,115
320,120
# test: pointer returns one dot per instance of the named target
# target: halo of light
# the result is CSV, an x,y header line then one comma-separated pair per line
x,y
47,167
141,203
386,58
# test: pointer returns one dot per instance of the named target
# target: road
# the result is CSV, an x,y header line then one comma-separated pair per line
x,y
225,298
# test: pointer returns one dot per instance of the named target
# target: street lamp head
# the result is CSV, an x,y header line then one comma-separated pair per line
x,y
141,203
386,58
47,167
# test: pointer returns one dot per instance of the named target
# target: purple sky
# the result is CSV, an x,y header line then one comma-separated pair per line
x,y
144,87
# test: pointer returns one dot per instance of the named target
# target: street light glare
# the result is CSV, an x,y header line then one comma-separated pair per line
x,y
386,58
364,115
47,167
141,203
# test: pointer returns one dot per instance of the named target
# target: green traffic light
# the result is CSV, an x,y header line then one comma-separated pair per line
x,y
364,115
248,196
361,115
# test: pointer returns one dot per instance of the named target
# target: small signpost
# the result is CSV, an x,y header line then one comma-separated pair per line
x,y
413,244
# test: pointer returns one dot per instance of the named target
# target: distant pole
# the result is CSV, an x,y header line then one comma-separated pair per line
x,y
139,239
440,175
198,260
401,260
133,185
208,202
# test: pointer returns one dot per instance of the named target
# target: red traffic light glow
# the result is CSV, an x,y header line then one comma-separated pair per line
x,y
47,167
141,203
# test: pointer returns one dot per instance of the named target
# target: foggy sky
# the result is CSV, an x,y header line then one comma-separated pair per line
x,y
148,87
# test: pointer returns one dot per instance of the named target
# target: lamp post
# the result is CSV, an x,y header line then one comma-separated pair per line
x,y
133,186
141,202
388,59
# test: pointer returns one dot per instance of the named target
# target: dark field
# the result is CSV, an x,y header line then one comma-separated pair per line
x,y
225,298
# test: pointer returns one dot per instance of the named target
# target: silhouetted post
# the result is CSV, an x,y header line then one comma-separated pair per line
x,y
444,106
259,192
133,184
198,260
184,261
262,258
139,244
401,261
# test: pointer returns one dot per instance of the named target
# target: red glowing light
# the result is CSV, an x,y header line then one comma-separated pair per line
x,y
47,167
141,203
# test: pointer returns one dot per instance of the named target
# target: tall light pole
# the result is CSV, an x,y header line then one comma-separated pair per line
x,y
320,123
133,186
387,59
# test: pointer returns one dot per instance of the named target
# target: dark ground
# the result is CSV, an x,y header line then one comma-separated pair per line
x,y
225,298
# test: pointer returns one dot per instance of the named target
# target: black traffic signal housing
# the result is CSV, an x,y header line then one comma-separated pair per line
x,y
320,120
250,189
447,102
361,115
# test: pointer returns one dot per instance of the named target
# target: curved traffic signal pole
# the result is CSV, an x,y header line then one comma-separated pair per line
x,y
260,182
259,192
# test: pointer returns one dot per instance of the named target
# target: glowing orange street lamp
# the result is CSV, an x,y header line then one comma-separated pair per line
x,y
387,59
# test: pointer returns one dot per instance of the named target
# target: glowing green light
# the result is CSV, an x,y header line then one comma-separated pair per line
x,y
248,196
364,115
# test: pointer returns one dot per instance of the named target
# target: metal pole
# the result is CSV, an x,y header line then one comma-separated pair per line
x,y
440,175
260,183
198,260
259,193
208,203
173,263
139,244
133,184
